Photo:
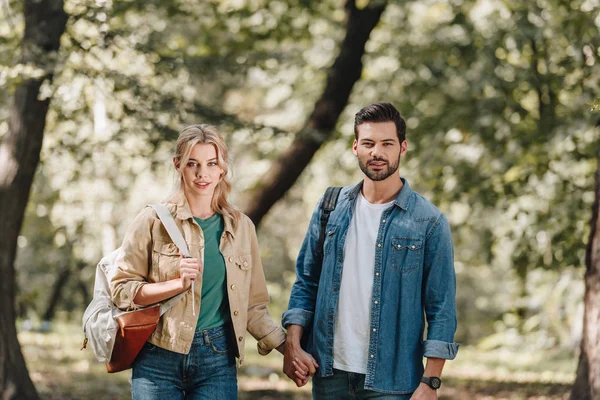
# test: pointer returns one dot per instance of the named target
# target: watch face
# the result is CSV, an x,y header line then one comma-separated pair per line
x,y
435,382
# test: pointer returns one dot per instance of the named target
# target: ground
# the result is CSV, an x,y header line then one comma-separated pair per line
x,y
60,370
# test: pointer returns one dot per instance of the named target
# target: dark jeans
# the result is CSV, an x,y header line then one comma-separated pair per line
x,y
347,386
208,372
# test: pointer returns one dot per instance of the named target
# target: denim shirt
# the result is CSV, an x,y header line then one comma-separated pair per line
x,y
413,280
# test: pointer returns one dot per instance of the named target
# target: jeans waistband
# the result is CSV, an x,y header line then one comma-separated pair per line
x,y
206,335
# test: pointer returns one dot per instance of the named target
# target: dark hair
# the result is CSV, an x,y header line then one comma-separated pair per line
x,y
381,112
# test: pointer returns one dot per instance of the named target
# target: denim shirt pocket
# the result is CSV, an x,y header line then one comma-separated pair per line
x,y
406,254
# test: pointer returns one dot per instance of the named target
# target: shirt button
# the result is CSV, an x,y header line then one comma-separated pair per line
x,y
377,273
232,287
378,244
245,263
335,289
412,247
383,221
372,356
374,330
236,312
376,302
241,338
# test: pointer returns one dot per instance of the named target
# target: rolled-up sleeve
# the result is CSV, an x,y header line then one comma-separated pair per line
x,y
133,261
439,292
260,324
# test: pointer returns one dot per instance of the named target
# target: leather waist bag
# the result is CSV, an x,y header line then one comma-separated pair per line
x,y
135,328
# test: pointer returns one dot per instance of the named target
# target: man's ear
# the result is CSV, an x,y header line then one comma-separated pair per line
x,y
403,147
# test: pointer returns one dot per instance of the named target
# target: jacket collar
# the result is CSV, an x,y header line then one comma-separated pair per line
x,y
183,212
401,200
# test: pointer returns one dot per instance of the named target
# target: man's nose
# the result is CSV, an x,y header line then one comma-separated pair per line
x,y
376,151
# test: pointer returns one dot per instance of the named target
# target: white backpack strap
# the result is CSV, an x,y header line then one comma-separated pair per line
x,y
169,223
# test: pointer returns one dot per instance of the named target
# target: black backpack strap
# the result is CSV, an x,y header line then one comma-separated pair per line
x,y
327,206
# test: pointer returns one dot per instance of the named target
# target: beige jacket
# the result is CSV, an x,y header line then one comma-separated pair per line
x,y
149,255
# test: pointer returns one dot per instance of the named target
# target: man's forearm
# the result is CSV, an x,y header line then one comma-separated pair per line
x,y
434,367
294,334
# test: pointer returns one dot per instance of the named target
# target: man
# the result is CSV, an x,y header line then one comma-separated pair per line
x,y
387,261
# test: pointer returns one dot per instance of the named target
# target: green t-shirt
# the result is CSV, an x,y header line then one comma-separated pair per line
x,y
214,306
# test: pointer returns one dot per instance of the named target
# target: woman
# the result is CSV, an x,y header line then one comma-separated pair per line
x,y
191,354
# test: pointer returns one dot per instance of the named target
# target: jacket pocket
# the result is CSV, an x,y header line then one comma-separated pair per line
x,y
243,262
165,258
406,254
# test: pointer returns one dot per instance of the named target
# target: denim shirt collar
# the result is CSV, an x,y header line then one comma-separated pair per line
x,y
401,200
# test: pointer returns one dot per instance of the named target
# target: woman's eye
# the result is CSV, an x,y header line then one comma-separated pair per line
x,y
212,164
191,164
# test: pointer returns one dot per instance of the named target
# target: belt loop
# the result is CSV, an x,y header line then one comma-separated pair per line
x,y
206,337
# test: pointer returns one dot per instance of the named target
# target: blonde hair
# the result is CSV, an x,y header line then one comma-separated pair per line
x,y
203,133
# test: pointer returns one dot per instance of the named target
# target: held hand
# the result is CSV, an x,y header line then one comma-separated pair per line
x,y
424,392
189,270
298,365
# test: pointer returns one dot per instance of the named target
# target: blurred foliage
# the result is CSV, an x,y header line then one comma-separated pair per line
x,y
496,95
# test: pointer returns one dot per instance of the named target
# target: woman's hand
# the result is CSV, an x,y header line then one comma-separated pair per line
x,y
189,270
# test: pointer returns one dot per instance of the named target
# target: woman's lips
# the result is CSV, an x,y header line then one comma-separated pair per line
x,y
202,185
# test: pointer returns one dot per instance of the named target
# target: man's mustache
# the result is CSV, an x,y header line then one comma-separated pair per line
x,y
371,160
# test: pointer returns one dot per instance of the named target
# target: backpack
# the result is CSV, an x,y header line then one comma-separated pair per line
x,y
328,204
99,320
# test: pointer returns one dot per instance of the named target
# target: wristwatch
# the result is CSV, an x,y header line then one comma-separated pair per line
x,y
432,381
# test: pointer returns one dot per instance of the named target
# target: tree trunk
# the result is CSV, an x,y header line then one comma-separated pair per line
x,y
342,76
45,22
587,381
57,291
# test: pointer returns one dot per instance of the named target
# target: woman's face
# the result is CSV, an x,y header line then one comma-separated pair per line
x,y
202,173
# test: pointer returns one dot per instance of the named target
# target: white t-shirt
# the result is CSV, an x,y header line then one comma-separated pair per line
x,y
351,335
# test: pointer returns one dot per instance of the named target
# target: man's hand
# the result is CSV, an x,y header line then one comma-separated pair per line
x,y
298,365
424,392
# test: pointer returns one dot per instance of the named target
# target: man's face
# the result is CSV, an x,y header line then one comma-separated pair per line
x,y
378,149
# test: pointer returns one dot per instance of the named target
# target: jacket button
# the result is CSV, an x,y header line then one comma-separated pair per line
x,y
241,338
232,287
230,259
245,263
236,312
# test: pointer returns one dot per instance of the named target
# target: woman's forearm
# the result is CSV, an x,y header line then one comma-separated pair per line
x,y
156,292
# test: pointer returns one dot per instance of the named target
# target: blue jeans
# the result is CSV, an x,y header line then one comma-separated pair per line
x,y
345,386
208,372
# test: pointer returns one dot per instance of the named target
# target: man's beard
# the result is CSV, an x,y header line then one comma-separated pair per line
x,y
378,175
